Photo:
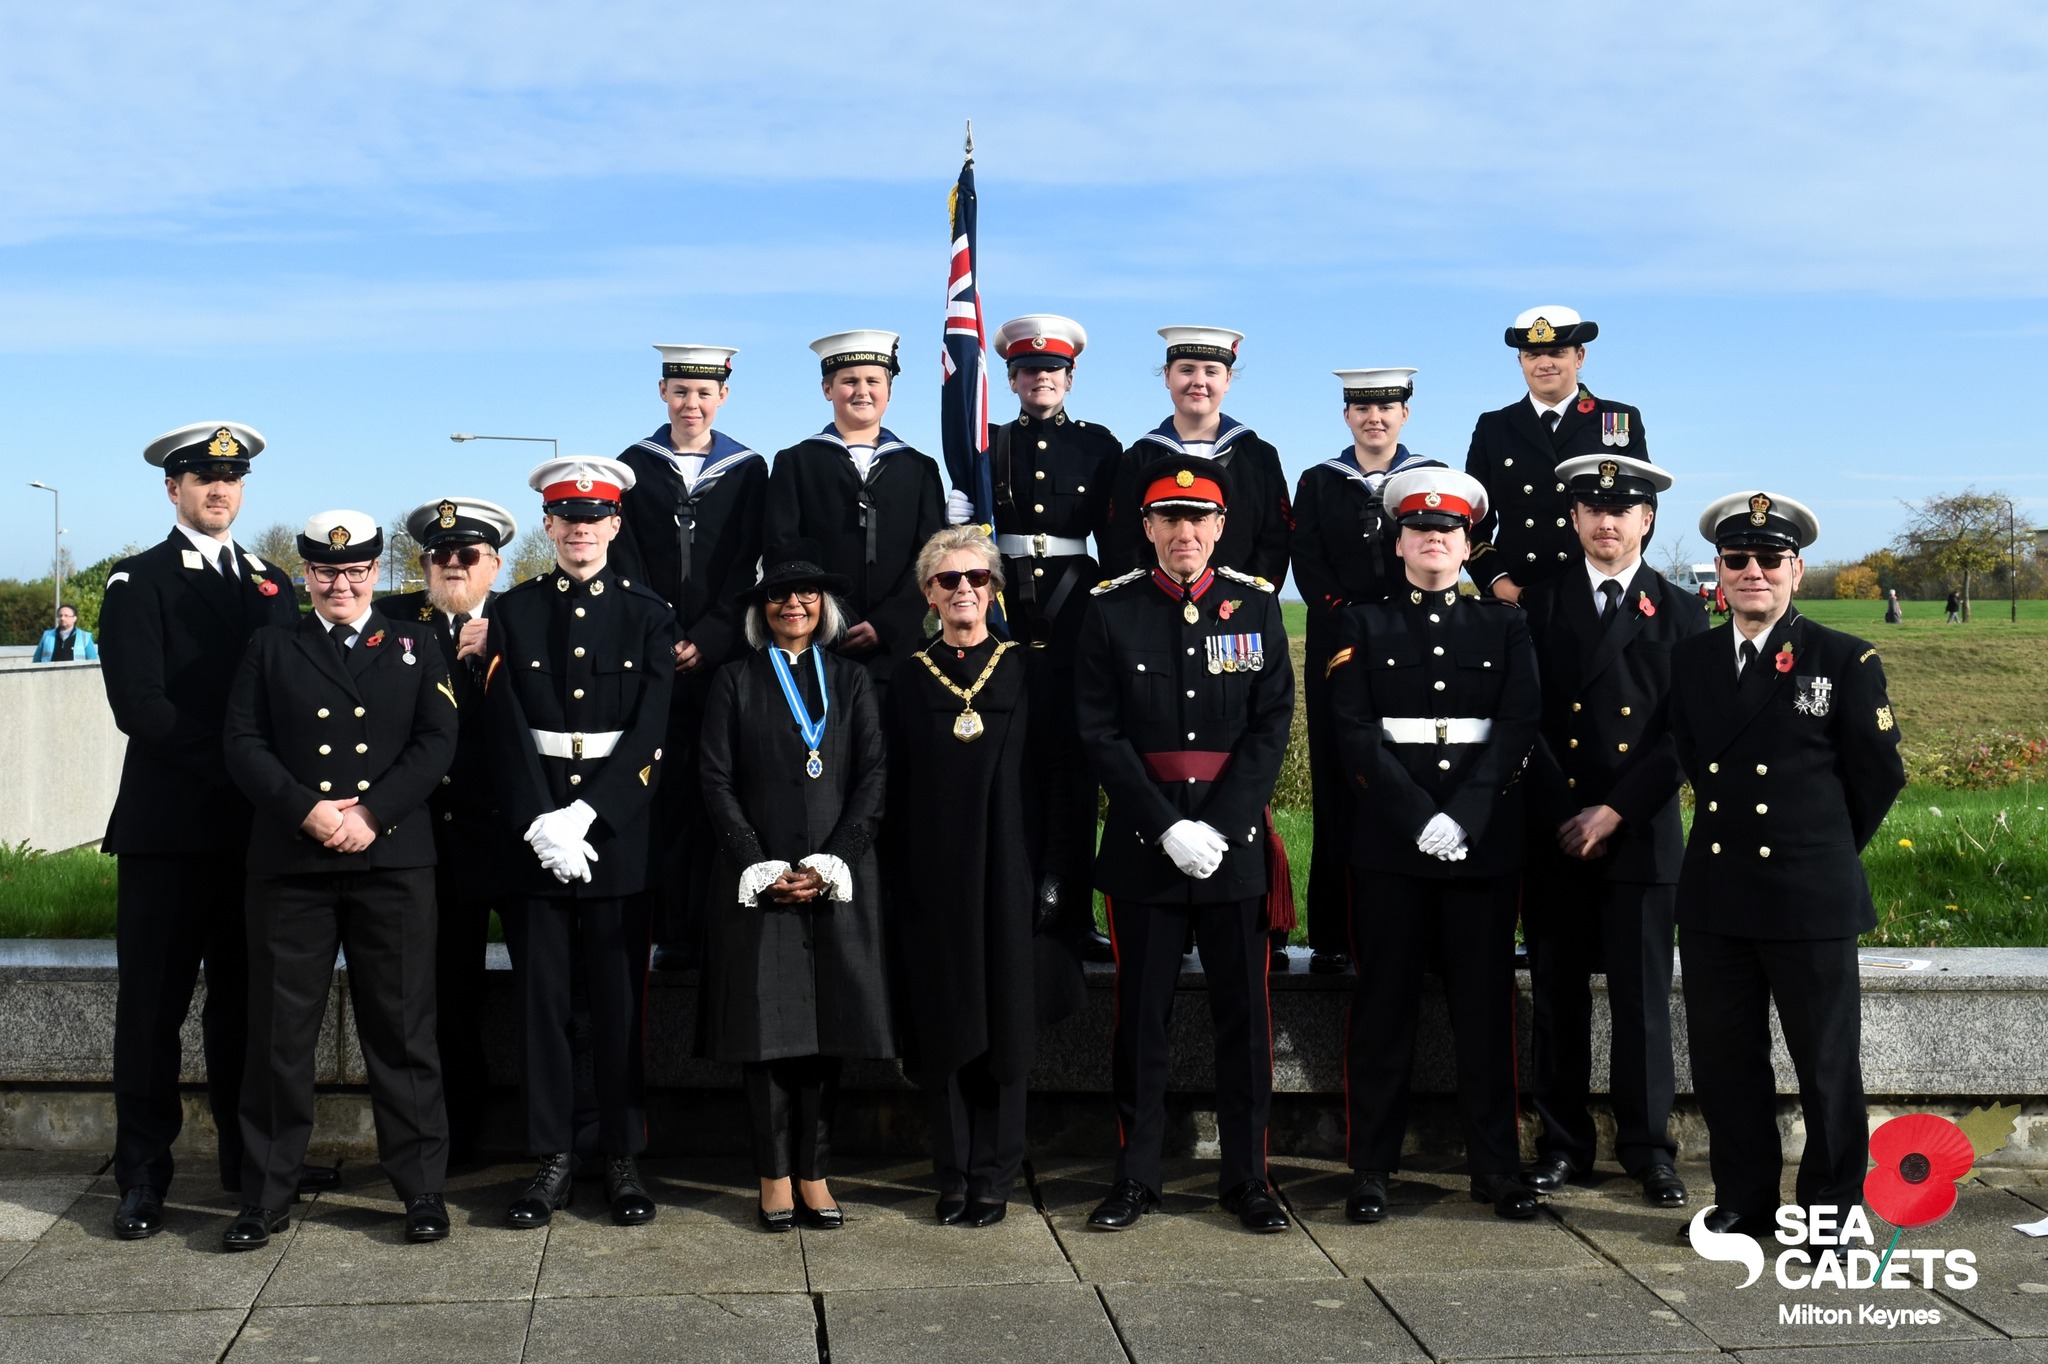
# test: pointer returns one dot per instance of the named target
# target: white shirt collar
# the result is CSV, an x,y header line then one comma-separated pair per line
x,y
355,625
1735,629
1596,575
477,614
1558,407
208,546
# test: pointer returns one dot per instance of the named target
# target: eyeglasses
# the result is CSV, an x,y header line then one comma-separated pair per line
x,y
806,596
1768,562
467,556
977,578
325,574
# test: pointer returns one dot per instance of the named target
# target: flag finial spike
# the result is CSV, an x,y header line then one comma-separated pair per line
x,y
970,139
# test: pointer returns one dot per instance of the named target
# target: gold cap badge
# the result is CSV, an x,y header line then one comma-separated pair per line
x,y
1433,499
1758,505
1608,469
1038,343
1184,479
1541,333
224,445
338,537
447,510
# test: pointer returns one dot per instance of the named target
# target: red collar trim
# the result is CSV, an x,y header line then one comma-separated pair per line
x,y
1171,585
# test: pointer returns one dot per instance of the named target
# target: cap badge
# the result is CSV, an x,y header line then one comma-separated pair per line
x,y
1184,479
338,537
1541,333
1433,499
583,484
447,510
224,445
1038,343
1608,469
1758,505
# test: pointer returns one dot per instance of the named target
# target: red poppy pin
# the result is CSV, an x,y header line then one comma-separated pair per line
x,y
267,588
1784,658
1645,605
1586,404
374,640
1224,611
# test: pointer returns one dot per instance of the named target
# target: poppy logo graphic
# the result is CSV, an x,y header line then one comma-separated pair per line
x,y
1728,1246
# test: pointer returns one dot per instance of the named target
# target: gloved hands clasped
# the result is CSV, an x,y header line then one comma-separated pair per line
x,y
1442,838
1195,848
558,839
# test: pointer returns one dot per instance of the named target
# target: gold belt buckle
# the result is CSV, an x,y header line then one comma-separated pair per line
x,y
576,744
1038,547
1443,731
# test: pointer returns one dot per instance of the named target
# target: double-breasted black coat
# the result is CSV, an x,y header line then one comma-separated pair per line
x,y
304,726
1052,477
1792,771
1260,523
964,834
794,980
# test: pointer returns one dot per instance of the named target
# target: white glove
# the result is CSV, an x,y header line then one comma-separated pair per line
x,y
959,508
1442,838
557,838
1195,848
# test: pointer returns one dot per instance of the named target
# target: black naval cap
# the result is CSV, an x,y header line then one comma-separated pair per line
x,y
460,521
1542,328
1613,480
340,537
794,564
1759,520
223,449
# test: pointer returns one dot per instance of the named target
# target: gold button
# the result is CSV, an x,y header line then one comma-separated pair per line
x,y
534,664
579,610
1438,685
1624,710
1560,520
1191,696
326,749
1717,847
1713,767
1038,573
1191,782
1438,650
322,712
1080,487
1712,806
1526,487
1443,764
446,780
1575,708
1434,618
362,748
1141,667
1575,743
575,780
1038,506
1571,782
362,786
1191,735
1763,852
447,816
578,693
579,651
629,662
1041,472
326,786
360,712
1041,445
1621,748
1761,769
1763,809
1528,520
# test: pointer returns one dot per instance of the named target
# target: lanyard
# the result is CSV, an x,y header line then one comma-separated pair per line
x,y
813,731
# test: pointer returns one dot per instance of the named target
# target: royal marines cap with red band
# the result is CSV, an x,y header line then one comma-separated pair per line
x,y
340,537
1435,498
223,449
696,362
1041,341
1759,521
580,485
1201,343
1180,484
1554,325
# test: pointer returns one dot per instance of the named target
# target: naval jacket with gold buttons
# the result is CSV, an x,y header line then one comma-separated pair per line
x,y
304,726
1184,719
1435,702
1052,478
576,694
1792,772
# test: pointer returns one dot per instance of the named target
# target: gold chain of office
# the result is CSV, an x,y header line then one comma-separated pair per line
x,y
967,726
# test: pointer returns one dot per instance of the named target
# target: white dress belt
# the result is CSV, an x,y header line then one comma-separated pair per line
x,y
553,743
1040,546
1455,730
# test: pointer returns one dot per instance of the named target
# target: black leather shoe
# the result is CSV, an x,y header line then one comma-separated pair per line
x,y
1729,1220
140,1215
318,1178
1126,1203
775,1219
631,1203
1329,963
1256,1208
1368,1199
426,1218
1093,946
1550,1173
818,1219
551,1189
673,956
951,1208
1662,1188
1277,958
1508,1194
984,1214
252,1227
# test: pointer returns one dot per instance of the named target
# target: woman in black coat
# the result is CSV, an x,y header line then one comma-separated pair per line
x,y
968,908
794,975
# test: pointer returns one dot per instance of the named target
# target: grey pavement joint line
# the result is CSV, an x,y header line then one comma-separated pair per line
x,y
1038,1205
249,1311
824,1339
1306,1229
1114,1325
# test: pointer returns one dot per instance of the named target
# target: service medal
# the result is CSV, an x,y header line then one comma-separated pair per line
x,y
815,768
1190,613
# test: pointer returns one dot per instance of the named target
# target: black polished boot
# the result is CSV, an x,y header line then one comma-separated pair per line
x,y
631,1203
551,1189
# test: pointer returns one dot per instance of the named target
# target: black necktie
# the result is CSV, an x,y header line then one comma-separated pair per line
x,y
1610,606
1746,651
226,562
341,635
474,663
1551,419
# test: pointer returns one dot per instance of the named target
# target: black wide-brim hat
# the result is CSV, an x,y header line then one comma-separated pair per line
x,y
792,565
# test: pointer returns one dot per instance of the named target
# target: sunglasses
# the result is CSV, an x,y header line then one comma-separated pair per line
x,y
355,573
977,578
1768,562
468,556
806,596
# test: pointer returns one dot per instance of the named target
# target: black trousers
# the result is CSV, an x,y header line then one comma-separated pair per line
x,y
613,936
1149,939
462,939
978,1133
1588,925
1071,800
1331,878
1730,986
1471,923
385,922
790,1102
679,881
173,916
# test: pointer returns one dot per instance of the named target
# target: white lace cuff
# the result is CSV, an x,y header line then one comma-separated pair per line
x,y
758,878
838,876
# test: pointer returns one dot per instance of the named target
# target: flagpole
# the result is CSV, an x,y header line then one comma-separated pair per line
x,y
970,141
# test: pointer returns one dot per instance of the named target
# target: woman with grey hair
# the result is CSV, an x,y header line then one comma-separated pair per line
x,y
969,927
795,979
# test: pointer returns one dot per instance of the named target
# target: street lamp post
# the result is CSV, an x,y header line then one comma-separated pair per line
x,y
56,549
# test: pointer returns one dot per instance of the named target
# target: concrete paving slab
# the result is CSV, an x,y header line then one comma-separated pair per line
x,y
884,1247
1705,1294
755,1328
704,1249
1024,1324
52,1164
78,1266
159,1337
1326,1184
29,1207
1955,1352
385,1333
351,1250
1482,1314
1292,1320
12,1253
1626,1230
1200,1247
2011,1291
1448,1237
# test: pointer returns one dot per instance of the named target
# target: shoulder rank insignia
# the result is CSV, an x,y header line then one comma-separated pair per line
x,y
190,558
426,610
1111,584
1338,660
256,565
1247,579
442,687
1866,655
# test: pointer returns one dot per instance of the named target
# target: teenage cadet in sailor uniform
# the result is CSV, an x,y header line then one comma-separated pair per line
x,y
691,530
338,729
459,540
1527,536
582,660
1052,478
1786,732
1185,697
1343,552
1434,695
1199,363
866,498
174,623
1601,891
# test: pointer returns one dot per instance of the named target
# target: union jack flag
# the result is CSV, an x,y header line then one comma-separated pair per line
x,y
963,406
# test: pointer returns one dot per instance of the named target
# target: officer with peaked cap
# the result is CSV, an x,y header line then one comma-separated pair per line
x,y
1527,536
1185,698
1604,837
691,530
581,661
1199,364
338,730
1343,549
174,623
459,540
1435,700
1785,730
868,499
1052,476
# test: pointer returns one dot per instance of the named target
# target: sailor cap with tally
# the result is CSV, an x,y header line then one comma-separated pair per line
x,y
1201,343
580,485
1613,480
340,537
1438,498
1376,385
1542,328
1180,484
841,349
1041,341
1762,520
696,362
460,521
206,448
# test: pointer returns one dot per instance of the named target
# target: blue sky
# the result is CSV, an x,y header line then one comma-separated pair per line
x,y
1814,236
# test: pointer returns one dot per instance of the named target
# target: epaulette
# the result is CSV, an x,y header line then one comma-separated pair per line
x,y
1246,578
643,590
1111,584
